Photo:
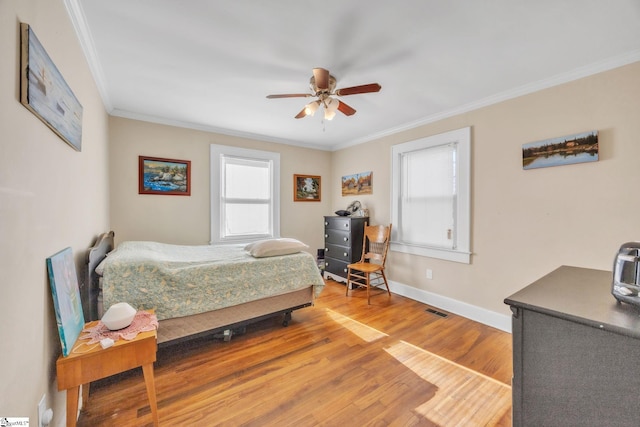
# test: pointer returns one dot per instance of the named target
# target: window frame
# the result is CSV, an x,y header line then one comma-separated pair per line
x,y
462,232
217,152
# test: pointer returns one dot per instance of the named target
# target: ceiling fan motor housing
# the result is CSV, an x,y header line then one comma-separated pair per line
x,y
320,92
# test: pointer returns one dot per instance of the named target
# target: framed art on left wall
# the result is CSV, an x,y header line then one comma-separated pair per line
x,y
45,93
169,177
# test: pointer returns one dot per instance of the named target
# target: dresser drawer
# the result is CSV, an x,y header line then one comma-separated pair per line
x,y
338,223
338,252
339,268
337,237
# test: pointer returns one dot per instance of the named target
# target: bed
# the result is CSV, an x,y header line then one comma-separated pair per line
x,y
197,290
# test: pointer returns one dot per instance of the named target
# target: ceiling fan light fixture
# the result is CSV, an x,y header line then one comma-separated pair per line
x,y
310,108
329,115
331,104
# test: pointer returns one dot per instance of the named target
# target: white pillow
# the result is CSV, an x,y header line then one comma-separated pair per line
x,y
275,247
100,267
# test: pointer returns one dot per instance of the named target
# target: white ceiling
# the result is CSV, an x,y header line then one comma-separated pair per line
x,y
209,64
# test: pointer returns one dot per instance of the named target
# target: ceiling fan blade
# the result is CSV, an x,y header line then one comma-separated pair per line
x,y
309,109
346,109
289,95
321,77
371,87
302,113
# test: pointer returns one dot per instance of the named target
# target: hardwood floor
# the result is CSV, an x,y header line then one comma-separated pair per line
x,y
339,363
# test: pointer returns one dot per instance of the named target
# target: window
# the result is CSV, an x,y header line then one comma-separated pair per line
x,y
430,196
244,194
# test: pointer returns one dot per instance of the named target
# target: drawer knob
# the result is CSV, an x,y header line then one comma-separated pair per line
x,y
326,223
346,239
326,249
346,224
345,254
345,270
326,235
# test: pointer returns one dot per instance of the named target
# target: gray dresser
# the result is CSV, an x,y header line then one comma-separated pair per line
x,y
576,352
342,244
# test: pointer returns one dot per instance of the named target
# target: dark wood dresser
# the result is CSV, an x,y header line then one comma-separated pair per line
x,y
342,244
576,352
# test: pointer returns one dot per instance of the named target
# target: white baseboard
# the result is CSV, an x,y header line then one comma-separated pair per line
x,y
477,314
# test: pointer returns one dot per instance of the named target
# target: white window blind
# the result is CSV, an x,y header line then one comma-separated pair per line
x,y
427,202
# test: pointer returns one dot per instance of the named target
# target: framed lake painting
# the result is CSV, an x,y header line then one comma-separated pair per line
x,y
44,92
66,298
564,150
306,188
164,176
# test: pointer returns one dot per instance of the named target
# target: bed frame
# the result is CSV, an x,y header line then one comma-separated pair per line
x,y
225,320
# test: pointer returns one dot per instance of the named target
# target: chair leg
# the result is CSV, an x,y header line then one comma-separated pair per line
x,y
368,280
385,282
346,292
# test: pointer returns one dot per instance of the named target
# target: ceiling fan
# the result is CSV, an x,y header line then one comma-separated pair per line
x,y
323,86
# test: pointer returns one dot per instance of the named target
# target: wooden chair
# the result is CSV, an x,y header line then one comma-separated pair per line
x,y
370,269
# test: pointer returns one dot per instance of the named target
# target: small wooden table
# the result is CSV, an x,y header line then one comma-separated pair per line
x,y
82,367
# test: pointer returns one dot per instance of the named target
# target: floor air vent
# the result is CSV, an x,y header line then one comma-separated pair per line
x,y
436,312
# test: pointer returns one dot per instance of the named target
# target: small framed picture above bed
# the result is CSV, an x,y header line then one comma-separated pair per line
x,y
168,177
306,188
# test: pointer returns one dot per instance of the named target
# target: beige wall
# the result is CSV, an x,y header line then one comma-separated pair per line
x,y
185,220
51,197
526,223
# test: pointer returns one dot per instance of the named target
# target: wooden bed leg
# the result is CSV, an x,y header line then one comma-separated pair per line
x,y
287,318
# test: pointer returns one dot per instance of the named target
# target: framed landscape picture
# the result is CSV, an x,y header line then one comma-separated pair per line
x,y
45,93
164,176
306,188
358,183
66,298
564,150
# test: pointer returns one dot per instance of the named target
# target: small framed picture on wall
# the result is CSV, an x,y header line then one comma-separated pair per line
x,y
164,176
306,188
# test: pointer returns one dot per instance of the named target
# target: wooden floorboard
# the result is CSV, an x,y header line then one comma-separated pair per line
x,y
339,363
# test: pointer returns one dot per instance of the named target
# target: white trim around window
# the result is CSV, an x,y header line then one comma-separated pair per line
x,y
268,202
448,234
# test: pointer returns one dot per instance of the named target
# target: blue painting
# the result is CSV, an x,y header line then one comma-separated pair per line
x,y
66,298
45,93
164,176
564,150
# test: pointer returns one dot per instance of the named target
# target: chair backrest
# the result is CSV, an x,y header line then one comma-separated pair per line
x,y
375,244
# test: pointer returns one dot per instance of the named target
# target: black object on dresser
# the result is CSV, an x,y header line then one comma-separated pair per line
x,y
342,243
576,352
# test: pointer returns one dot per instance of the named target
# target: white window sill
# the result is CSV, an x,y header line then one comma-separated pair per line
x,y
439,253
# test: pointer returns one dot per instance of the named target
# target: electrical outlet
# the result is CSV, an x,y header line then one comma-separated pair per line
x,y
429,273
42,407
